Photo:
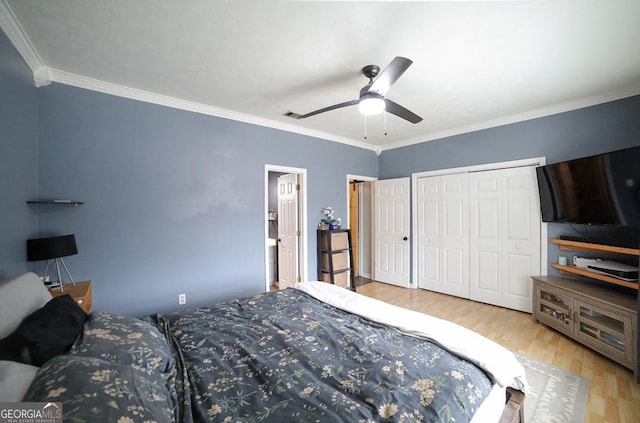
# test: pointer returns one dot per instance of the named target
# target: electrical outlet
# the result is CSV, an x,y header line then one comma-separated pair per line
x,y
182,298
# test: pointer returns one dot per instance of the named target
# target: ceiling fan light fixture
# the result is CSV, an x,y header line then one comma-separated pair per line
x,y
371,104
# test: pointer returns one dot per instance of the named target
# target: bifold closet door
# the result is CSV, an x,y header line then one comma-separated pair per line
x,y
504,236
443,234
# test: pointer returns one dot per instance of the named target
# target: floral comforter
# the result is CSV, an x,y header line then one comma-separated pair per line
x,y
281,356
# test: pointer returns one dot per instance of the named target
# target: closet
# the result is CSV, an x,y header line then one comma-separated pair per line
x,y
478,235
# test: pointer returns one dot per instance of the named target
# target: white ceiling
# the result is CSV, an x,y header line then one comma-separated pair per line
x,y
476,64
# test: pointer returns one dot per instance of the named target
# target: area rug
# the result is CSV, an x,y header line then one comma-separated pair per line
x,y
555,395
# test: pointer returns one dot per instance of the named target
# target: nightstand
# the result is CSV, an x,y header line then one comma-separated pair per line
x,y
82,292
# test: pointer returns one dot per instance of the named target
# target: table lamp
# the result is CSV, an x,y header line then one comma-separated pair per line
x,y
52,249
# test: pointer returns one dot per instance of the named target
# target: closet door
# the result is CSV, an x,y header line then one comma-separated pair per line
x,y
443,234
504,236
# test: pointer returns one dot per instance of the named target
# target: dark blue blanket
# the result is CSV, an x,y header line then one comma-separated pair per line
x,y
279,357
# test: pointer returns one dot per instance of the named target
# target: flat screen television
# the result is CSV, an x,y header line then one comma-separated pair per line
x,y
597,190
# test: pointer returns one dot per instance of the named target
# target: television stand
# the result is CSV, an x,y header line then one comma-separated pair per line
x,y
600,319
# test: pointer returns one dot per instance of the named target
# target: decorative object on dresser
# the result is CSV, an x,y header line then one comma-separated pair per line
x,y
52,249
81,292
329,221
335,257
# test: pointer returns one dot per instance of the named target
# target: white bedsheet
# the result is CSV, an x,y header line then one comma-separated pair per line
x,y
496,360
492,407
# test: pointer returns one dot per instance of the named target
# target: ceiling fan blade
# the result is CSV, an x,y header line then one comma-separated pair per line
x,y
398,110
324,109
390,75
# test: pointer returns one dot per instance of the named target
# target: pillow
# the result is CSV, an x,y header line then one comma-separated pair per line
x,y
94,390
124,340
19,297
15,379
45,333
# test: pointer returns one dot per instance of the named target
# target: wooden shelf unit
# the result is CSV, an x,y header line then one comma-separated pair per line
x,y
566,245
335,257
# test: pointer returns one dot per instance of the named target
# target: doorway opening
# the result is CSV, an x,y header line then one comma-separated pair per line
x,y
285,223
359,218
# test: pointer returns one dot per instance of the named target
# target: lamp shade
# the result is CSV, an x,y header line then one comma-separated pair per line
x,y
51,248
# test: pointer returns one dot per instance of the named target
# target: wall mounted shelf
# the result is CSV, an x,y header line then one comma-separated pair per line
x,y
586,246
56,202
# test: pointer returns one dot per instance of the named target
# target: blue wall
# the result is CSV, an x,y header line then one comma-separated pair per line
x,y
18,159
174,200
584,132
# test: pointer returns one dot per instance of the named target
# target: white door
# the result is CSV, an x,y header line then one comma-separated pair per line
x,y
287,230
443,234
504,236
391,231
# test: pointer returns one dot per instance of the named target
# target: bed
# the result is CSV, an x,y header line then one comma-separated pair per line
x,y
313,353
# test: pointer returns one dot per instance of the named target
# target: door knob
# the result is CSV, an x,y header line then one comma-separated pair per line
x,y
405,238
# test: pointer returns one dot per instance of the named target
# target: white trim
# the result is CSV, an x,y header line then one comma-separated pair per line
x,y
177,103
150,97
361,237
360,178
304,246
44,75
360,240
11,26
520,117
536,161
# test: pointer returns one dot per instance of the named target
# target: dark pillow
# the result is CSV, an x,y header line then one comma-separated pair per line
x,y
45,333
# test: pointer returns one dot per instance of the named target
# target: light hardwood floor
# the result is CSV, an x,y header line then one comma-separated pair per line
x,y
614,396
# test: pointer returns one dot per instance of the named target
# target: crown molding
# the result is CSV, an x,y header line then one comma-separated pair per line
x,y
43,76
21,42
630,91
177,103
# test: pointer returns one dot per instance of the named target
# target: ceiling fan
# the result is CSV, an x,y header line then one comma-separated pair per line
x,y
372,96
